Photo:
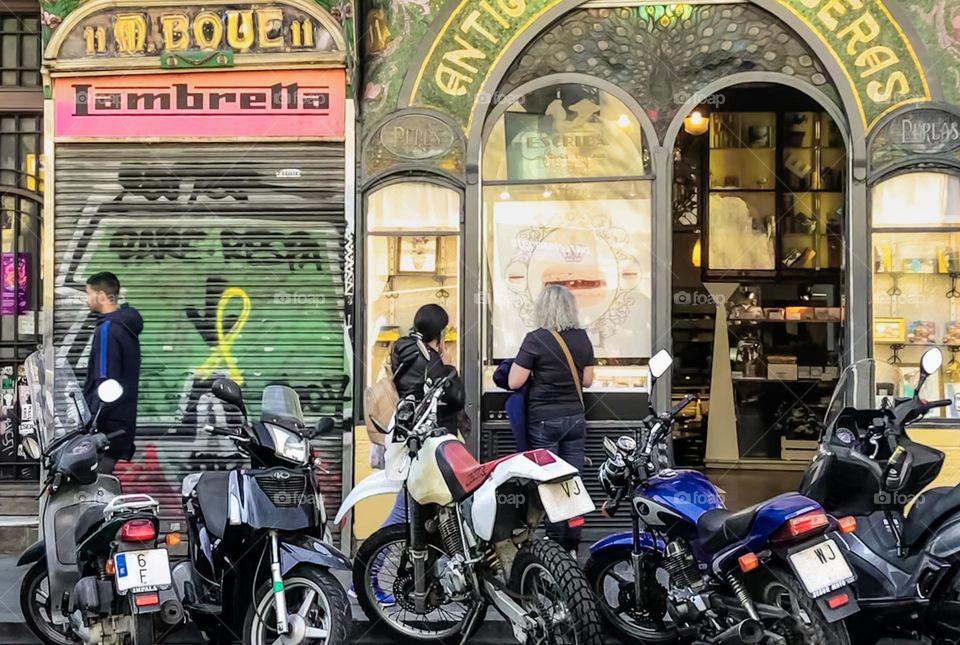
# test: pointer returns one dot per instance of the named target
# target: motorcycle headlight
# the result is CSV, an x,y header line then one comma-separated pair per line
x,y
287,444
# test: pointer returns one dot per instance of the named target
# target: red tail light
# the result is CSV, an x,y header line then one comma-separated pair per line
x,y
146,599
576,522
138,531
806,523
540,457
838,601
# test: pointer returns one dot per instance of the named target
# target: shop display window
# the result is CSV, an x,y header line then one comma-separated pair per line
x,y
413,258
545,222
916,270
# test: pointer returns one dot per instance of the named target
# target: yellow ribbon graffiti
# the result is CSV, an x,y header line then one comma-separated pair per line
x,y
221,353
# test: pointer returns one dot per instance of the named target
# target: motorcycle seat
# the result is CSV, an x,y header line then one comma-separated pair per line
x,y
719,528
462,473
929,509
212,493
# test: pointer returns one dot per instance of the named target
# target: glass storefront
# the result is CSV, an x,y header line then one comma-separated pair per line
x,y
413,258
916,268
567,199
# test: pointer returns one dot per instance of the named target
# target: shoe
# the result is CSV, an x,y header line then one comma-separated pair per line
x,y
385,599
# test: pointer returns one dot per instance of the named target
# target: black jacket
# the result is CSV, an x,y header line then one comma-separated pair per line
x,y
411,368
116,355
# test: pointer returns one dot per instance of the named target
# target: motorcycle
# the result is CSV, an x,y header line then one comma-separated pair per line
x,y
690,570
868,467
99,574
469,539
260,560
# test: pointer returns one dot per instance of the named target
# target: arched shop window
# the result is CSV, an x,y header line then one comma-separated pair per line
x,y
916,279
567,199
413,258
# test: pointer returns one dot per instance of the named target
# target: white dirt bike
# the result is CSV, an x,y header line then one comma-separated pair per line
x,y
470,541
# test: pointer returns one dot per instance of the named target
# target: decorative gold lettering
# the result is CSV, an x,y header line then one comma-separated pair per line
x,y
493,14
240,33
513,8
130,31
208,30
270,28
875,59
472,23
459,56
451,81
861,31
307,32
879,93
826,13
176,35
95,40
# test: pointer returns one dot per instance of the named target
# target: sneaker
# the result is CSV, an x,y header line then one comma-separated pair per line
x,y
384,598
352,592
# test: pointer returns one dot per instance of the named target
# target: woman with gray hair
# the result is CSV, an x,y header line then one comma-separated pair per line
x,y
557,360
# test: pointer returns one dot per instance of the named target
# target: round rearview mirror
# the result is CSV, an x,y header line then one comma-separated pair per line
x,y
31,447
660,363
109,391
932,360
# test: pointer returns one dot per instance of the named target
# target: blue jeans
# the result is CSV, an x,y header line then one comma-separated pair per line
x,y
566,437
398,514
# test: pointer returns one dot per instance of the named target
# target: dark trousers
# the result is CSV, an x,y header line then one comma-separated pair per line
x,y
566,437
106,464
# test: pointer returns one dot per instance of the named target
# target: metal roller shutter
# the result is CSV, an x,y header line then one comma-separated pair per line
x,y
233,253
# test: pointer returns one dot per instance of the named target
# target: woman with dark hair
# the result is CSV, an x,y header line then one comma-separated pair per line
x,y
416,360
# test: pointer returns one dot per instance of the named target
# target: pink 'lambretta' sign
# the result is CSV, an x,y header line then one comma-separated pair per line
x,y
289,103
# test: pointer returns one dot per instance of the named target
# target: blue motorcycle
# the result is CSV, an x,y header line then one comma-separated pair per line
x,y
692,571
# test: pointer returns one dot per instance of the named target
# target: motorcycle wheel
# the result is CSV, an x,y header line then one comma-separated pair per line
x,y
35,605
553,589
610,574
384,591
311,593
806,625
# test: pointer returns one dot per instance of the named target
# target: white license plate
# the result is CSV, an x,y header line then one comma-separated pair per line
x,y
565,500
821,568
149,569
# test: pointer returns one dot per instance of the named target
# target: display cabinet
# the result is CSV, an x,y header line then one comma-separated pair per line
x,y
916,278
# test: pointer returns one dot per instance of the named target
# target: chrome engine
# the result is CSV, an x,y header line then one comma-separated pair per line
x,y
684,584
453,577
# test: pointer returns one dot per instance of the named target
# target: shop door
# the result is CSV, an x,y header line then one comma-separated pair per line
x,y
233,254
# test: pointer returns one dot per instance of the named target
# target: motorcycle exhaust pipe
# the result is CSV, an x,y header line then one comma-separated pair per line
x,y
746,631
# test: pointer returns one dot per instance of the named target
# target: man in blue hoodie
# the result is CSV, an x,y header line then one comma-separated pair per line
x,y
115,355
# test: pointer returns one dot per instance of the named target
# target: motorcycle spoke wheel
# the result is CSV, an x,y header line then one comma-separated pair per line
x,y
389,584
542,597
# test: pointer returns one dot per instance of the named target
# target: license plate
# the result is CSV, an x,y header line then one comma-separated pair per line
x,y
149,569
821,568
565,500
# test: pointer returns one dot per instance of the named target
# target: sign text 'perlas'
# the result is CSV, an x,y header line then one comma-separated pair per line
x,y
292,103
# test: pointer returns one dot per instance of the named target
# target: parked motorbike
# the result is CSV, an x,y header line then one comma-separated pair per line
x,y
258,563
867,466
691,570
469,541
99,574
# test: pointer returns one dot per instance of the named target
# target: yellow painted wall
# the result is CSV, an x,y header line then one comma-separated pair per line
x,y
369,514
947,440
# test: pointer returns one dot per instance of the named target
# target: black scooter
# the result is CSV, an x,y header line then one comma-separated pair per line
x,y
99,574
907,564
258,566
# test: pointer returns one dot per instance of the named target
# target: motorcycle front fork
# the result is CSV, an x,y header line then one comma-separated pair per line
x,y
418,552
280,600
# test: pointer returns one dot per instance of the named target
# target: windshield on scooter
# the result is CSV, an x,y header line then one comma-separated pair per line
x,y
57,414
281,403
867,383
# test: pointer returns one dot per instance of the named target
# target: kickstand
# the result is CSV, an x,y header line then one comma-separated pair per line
x,y
477,612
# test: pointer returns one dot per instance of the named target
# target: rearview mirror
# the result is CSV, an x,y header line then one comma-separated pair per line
x,y
932,360
660,363
31,447
325,425
109,391
227,391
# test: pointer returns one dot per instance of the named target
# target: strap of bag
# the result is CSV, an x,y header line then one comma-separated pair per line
x,y
573,368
